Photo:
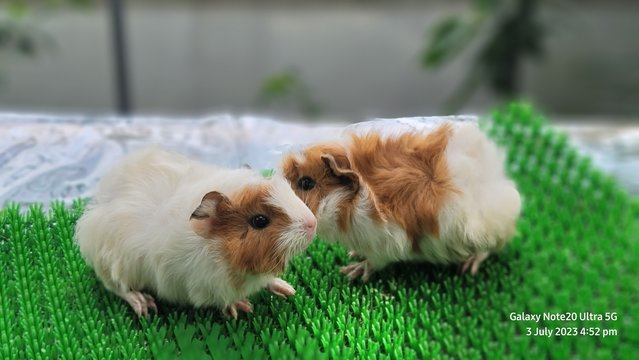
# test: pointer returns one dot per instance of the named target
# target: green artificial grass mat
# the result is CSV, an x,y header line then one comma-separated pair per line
x,y
576,251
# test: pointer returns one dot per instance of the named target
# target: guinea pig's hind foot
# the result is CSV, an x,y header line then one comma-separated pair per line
x,y
280,287
243,305
357,270
141,302
473,263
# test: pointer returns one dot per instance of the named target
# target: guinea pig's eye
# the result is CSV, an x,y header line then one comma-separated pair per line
x,y
306,183
259,221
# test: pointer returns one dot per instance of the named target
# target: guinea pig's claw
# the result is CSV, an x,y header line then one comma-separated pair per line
x,y
150,303
465,265
357,270
473,263
352,254
141,302
281,288
243,305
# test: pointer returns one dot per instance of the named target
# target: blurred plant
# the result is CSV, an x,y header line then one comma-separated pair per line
x,y
286,90
505,32
18,36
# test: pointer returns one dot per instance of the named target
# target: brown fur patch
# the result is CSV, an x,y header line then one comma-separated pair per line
x,y
327,179
408,175
248,250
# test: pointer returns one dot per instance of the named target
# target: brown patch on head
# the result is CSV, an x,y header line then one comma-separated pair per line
x,y
249,247
408,176
319,171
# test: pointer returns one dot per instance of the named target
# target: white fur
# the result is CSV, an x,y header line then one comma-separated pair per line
x,y
136,234
479,220
482,217
381,244
297,211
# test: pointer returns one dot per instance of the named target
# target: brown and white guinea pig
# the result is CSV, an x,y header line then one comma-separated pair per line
x,y
192,233
439,196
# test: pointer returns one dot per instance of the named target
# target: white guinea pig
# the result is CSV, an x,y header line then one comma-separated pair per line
x,y
191,233
439,196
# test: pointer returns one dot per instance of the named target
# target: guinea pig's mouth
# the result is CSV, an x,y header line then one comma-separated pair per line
x,y
298,240
307,239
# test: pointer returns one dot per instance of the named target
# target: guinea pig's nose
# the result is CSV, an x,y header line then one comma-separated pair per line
x,y
310,223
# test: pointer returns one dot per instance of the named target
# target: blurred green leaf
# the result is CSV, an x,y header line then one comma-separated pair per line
x,y
448,38
26,45
286,89
22,39
517,35
17,9
508,32
279,84
487,5
20,35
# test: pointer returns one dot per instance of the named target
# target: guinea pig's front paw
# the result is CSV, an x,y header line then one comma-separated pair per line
x,y
357,270
281,288
243,305
473,263
141,302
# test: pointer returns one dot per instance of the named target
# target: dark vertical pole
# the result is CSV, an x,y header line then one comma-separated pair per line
x,y
118,34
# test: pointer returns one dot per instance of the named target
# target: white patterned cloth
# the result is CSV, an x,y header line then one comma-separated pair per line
x,y
45,158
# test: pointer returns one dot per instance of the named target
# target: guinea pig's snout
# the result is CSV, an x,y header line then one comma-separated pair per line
x,y
309,225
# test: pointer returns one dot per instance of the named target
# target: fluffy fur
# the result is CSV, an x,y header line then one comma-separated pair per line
x,y
440,196
181,229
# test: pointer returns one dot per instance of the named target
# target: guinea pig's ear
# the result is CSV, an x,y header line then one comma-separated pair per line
x,y
214,204
289,167
341,171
